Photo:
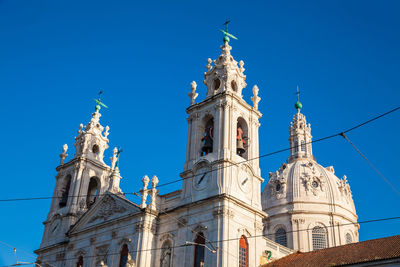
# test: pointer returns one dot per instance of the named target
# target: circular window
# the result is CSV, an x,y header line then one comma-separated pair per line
x,y
96,149
278,187
217,84
315,184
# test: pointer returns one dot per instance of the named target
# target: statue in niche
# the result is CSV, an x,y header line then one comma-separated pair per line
x,y
240,141
208,138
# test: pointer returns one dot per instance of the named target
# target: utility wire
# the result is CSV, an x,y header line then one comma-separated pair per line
x,y
370,163
234,239
223,167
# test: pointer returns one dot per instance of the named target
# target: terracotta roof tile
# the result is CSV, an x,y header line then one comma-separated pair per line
x,y
371,250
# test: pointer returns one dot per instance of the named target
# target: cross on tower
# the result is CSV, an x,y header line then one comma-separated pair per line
x,y
99,103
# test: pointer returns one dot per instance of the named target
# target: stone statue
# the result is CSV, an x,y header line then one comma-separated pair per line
x,y
208,139
240,142
166,258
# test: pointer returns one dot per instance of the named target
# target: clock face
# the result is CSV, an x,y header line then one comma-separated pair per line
x,y
245,181
201,178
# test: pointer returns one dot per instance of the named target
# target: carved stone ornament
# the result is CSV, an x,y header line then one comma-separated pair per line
x,y
166,236
145,226
278,182
344,188
223,212
312,179
298,221
107,208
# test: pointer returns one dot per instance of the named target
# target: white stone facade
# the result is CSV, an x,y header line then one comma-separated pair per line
x,y
219,213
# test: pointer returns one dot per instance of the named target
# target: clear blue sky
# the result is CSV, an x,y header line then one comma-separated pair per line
x,y
54,55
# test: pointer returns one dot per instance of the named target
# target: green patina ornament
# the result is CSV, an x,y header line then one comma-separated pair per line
x,y
99,104
298,105
226,33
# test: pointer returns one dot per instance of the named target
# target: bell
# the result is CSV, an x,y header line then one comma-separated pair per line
x,y
239,147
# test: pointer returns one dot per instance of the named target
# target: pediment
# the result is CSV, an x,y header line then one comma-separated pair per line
x,y
107,208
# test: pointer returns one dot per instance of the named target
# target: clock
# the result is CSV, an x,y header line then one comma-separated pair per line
x,y
201,179
245,181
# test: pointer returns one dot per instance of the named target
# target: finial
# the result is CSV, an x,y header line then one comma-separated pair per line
x,y
64,154
255,98
193,95
208,66
241,64
154,181
226,34
118,152
99,103
106,133
298,104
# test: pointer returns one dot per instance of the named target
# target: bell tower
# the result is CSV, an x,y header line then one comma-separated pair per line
x,y
222,144
80,181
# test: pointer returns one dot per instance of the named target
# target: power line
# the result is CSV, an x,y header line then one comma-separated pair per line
x,y
370,163
233,239
223,167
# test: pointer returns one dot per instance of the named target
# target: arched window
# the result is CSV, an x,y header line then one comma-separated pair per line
x,y
303,145
93,190
349,240
296,146
242,138
123,258
199,250
243,252
65,192
80,262
319,239
165,259
280,237
208,137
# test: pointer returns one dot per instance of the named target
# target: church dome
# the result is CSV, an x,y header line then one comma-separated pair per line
x,y
308,206
304,185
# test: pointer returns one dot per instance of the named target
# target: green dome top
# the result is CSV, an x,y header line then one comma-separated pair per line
x,y
298,105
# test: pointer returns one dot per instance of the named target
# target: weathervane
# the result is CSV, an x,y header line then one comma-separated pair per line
x,y
226,33
99,103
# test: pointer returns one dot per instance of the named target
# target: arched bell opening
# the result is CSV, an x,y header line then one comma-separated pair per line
x,y
64,191
234,86
242,140
216,84
207,140
93,191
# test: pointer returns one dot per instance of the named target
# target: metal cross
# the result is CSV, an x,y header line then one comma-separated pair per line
x,y
226,34
298,93
99,103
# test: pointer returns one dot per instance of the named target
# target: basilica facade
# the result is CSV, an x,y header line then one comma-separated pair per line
x,y
220,216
